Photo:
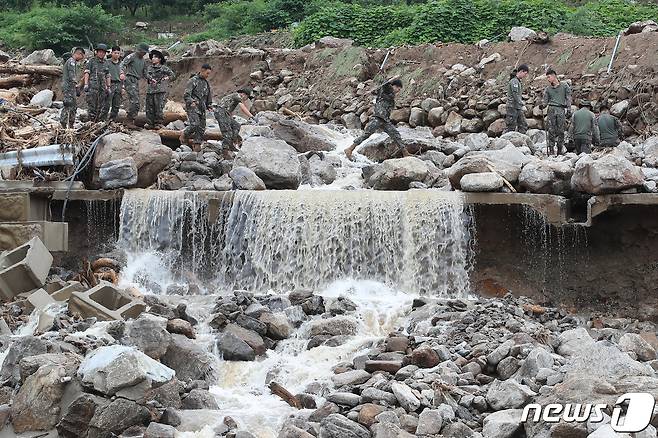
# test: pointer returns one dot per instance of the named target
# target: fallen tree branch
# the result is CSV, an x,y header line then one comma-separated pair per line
x,y
140,120
170,134
285,395
15,81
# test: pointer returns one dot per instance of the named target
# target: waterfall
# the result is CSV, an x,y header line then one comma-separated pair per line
x,y
417,241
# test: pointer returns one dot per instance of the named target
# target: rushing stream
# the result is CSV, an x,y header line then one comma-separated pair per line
x,y
379,249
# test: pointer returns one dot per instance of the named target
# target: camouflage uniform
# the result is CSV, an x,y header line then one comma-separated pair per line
x,y
97,94
114,100
227,124
197,98
610,130
381,118
134,68
584,130
69,83
515,120
558,100
156,93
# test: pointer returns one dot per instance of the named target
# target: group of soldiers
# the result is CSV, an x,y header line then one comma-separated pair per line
x,y
104,81
585,129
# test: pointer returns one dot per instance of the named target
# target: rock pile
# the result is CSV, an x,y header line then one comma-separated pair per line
x,y
467,369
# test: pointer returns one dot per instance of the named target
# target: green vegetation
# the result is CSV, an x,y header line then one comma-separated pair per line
x,y
56,27
467,21
60,24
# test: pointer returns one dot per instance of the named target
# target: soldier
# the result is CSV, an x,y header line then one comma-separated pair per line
x,y
558,98
610,129
157,78
380,121
133,68
97,83
583,129
515,120
227,124
114,100
198,99
70,88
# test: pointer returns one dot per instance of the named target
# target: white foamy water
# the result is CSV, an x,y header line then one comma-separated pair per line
x,y
242,389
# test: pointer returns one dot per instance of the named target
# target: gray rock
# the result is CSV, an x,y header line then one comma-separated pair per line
x,y
43,99
520,33
41,57
233,348
481,182
333,42
200,399
338,426
252,338
244,178
434,116
339,325
157,430
118,173
114,368
608,174
116,417
405,397
345,399
75,422
398,173
389,430
499,353
305,137
632,342
477,142
190,360
546,177
274,161
537,359
278,326
30,364
430,422
502,424
417,117
4,57
619,109
508,394
20,348
351,121
453,125
355,377
322,172
573,341
149,334
378,395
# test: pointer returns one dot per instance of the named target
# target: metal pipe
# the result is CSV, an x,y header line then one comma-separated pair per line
x,y
614,52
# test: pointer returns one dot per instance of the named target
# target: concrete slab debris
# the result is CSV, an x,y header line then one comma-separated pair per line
x,y
106,303
24,268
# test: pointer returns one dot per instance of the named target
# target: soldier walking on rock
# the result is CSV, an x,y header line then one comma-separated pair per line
x,y
381,119
583,129
557,96
70,88
198,99
113,102
610,129
515,119
133,68
227,124
157,77
97,83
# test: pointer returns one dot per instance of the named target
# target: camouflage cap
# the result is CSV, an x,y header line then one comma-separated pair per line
x,y
246,90
585,102
102,47
159,54
143,47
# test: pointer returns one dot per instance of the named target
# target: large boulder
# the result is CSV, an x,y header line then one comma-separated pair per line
x,y
608,174
274,161
380,146
508,394
398,173
144,147
41,57
37,404
338,426
149,334
75,422
506,162
115,368
20,348
190,360
547,177
43,98
650,148
115,417
118,173
244,178
520,33
305,137
453,125
502,424
481,182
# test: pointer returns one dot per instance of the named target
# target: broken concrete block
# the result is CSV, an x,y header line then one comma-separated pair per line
x,y
54,235
40,299
106,303
24,268
22,207
61,290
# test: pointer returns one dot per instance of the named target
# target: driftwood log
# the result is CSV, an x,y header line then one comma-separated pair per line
x,y
170,134
15,81
18,69
169,117
285,395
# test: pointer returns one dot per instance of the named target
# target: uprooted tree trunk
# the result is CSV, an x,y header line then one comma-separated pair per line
x,y
172,135
169,117
18,69
15,81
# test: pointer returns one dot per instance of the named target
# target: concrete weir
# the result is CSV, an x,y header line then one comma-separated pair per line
x,y
598,253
